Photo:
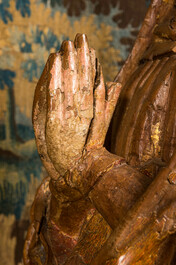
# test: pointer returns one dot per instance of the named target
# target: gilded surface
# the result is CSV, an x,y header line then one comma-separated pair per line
x,y
93,238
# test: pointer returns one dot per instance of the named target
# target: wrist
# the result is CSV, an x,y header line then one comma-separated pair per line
x,y
93,164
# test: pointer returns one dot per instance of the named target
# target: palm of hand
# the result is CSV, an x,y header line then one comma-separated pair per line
x,y
76,113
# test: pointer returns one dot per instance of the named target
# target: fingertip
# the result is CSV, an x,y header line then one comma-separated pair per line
x,y
76,38
54,63
118,88
113,87
118,85
68,52
50,62
67,46
100,77
81,40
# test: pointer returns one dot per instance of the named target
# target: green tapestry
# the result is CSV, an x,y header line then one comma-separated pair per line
x,y
29,31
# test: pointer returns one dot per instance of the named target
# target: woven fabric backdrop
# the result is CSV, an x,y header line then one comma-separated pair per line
x,y
29,31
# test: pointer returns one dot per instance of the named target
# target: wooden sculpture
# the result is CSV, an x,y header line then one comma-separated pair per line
x,y
96,207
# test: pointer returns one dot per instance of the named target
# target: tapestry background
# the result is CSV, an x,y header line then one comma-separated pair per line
x,y
29,31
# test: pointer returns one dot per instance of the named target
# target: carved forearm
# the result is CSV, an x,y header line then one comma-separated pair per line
x,y
90,168
117,191
111,184
150,221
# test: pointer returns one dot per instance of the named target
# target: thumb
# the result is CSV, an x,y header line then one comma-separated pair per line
x,y
113,91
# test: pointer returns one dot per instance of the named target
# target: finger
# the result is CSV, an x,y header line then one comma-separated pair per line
x,y
39,118
86,73
99,94
63,77
113,92
94,63
55,93
97,135
69,76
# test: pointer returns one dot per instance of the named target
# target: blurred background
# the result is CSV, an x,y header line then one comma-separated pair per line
x,y
29,31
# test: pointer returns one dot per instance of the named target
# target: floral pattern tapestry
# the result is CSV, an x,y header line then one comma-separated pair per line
x,y
29,31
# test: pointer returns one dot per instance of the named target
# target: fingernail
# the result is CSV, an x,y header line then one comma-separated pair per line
x,y
67,46
80,40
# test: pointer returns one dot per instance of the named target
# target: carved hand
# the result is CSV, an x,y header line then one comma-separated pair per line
x,y
77,107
